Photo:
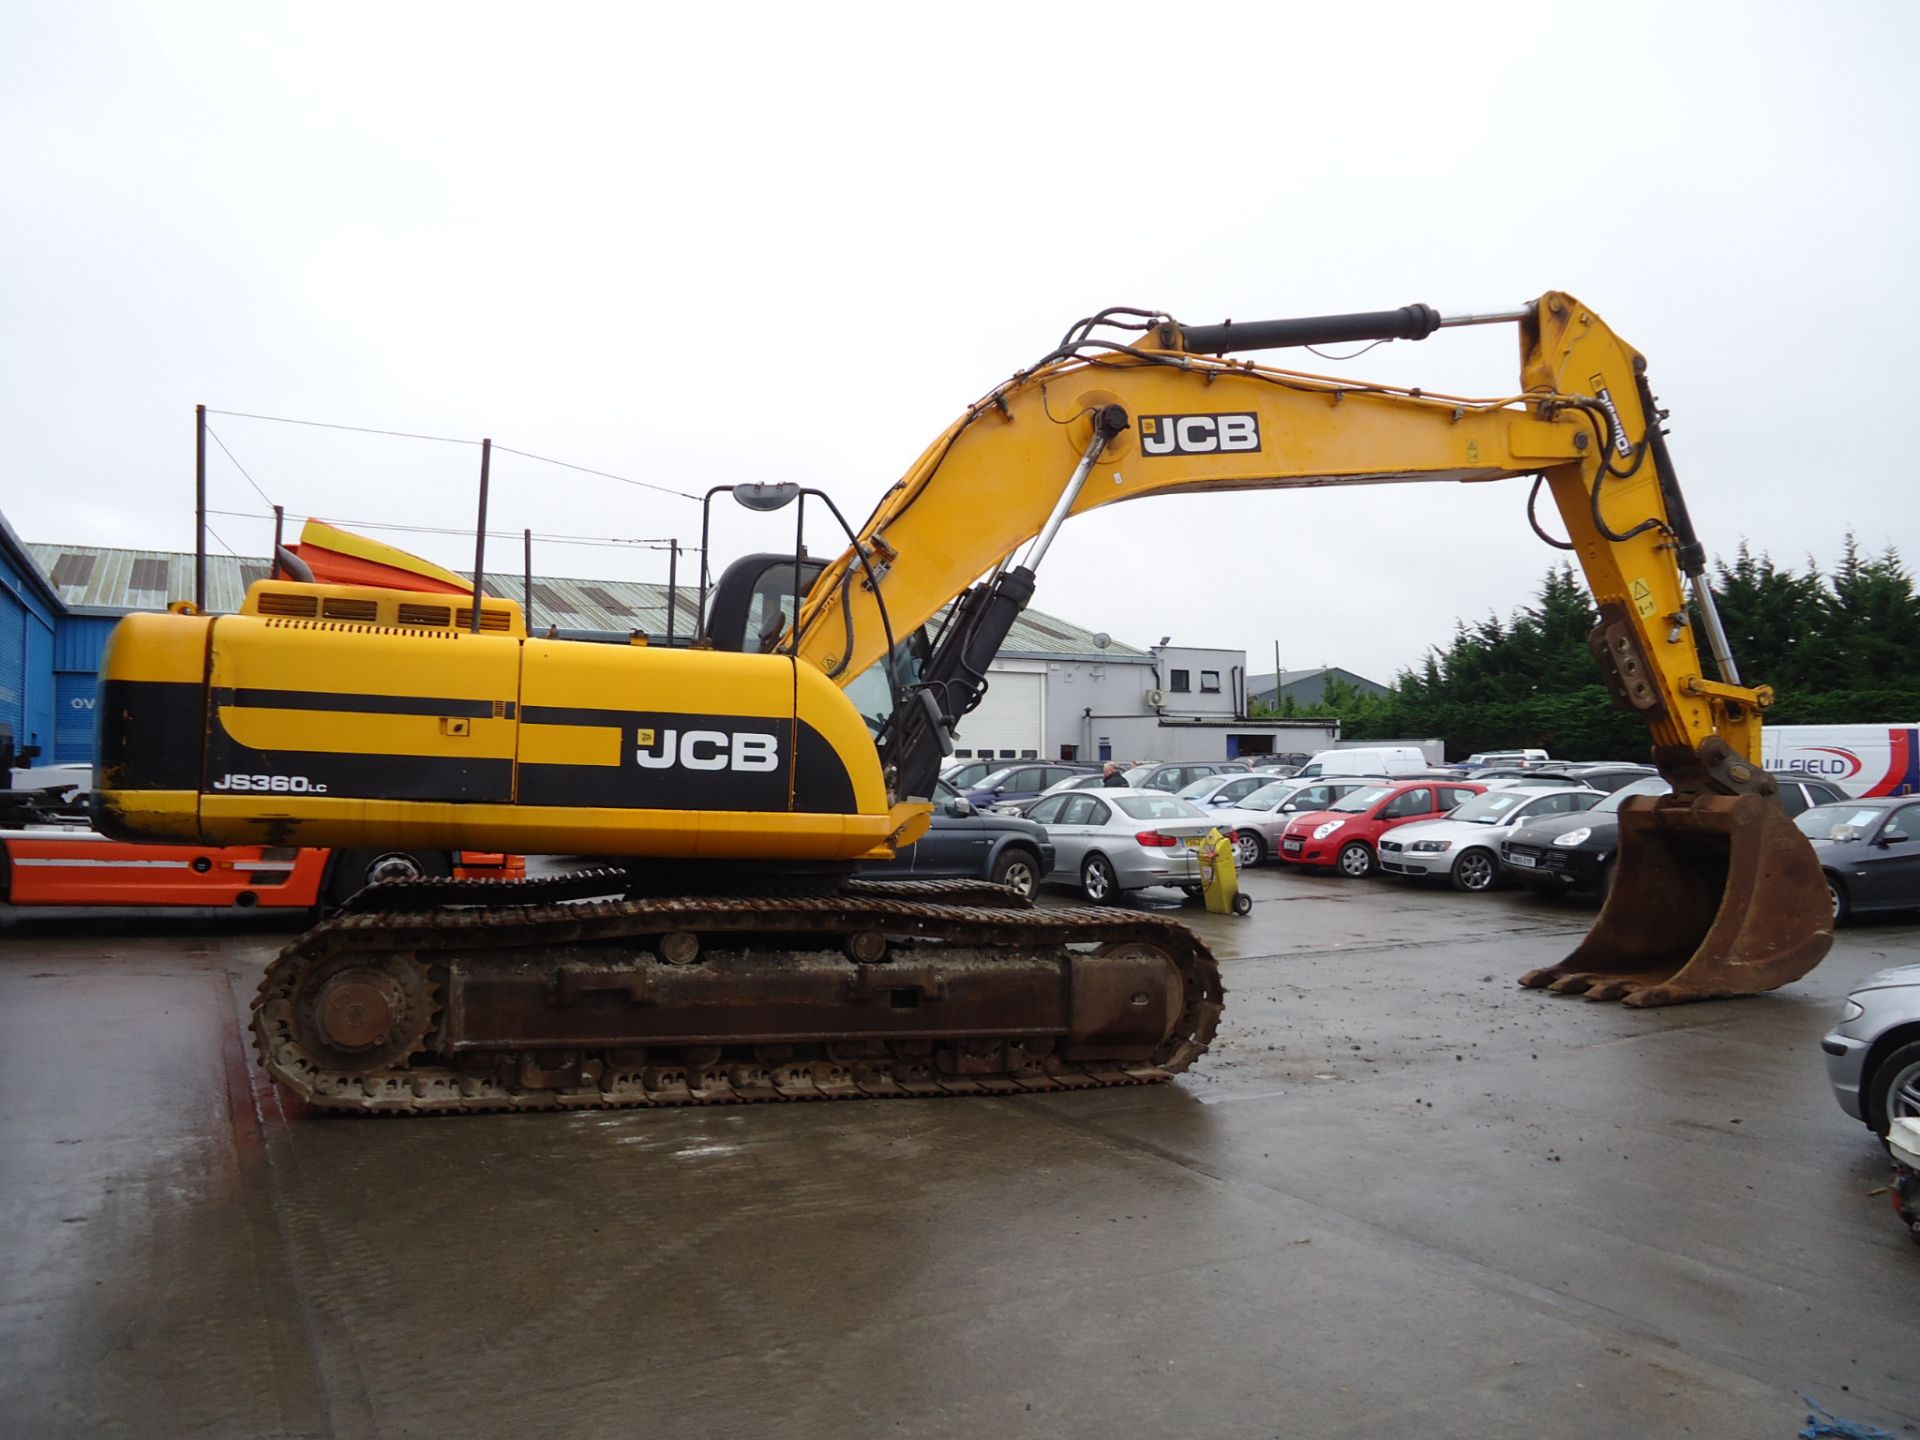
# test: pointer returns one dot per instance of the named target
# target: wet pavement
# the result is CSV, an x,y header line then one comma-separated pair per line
x,y
1400,1196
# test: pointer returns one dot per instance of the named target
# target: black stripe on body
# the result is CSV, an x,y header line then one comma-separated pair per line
x,y
347,775
360,704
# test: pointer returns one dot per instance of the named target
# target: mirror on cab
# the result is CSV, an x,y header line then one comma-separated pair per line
x,y
960,805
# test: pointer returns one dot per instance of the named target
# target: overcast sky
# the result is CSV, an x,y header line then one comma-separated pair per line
x,y
698,245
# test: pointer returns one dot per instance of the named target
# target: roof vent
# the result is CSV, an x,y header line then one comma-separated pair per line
x,y
279,602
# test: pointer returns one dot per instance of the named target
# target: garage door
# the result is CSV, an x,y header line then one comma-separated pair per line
x,y
73,693
13,666
1012,717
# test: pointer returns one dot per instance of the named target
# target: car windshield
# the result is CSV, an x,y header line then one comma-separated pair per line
x,y
995,780
1652,785
1837,822
1146,806
1267,796
1203,786
1489,809
943,791
1359,800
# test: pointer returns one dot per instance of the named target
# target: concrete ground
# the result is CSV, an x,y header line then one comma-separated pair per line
x,y
1400,1197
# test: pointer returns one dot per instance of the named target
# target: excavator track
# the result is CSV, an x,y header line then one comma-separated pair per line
x,y
886,989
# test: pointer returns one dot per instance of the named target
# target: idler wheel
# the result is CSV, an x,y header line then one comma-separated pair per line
x,y
360,1014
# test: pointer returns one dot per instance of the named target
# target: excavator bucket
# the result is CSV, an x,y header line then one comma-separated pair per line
x,y
1714,896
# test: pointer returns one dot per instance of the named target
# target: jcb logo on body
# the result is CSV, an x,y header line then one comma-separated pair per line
x,y
1199,434
706,750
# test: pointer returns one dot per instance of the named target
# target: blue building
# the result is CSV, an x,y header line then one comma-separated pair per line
x,y
30,616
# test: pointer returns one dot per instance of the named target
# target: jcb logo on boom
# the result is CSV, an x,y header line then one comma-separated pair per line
x,y
1199,434
706,750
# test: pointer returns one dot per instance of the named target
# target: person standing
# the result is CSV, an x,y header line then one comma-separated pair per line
x,y
1111,778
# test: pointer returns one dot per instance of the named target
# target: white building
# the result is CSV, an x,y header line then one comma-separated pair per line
x,y
1060,692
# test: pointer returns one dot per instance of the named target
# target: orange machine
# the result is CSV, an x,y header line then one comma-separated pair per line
x,y
50,865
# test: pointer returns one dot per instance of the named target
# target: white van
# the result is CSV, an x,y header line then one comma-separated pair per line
x,y
1365,760
1860,759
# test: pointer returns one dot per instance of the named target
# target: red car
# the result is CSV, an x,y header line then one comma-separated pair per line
x,y
1346,837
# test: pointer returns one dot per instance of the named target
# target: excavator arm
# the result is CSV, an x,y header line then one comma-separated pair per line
x,y
1716,892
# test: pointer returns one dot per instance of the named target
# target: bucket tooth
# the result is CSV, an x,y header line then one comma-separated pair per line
x,y
1714,896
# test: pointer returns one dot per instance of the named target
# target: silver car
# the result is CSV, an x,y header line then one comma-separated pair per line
x,y
1110,841
1213,792
1257,820
1464,845
1873,1054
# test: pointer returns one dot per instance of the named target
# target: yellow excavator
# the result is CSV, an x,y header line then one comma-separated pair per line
x,y
726,953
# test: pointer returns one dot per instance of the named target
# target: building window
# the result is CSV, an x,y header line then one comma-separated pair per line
x,y
149,575
1209,682
1179,683
72,570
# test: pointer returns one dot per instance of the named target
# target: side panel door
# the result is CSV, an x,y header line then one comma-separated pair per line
x,y
1892,864
1080,819
953,845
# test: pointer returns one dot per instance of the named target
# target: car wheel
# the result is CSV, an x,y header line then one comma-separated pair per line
x,y
1018,870
354,870
1248,849
1196,894
1842,907
1356,860
1894,1092
1097,880
1475,870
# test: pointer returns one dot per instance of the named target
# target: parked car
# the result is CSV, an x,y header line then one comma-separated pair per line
x,y
1464,847
1092,780
1259,820
1110,841
1480,759
1215,791
1344,836
1278,770
963,775
1559,858
1024,781
964,843
1514,775
1174,775
1605,775
1873,1053
1870,851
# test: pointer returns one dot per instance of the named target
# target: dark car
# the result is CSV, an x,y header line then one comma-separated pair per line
x,y
965,843
1576,854
1022,781
1870,851
963,775
1606,776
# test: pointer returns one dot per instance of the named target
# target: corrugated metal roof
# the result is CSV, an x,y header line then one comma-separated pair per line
x,y
122,580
